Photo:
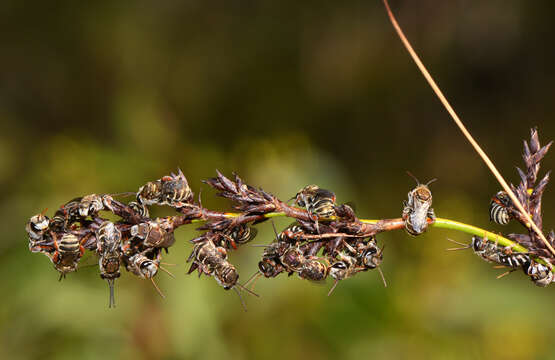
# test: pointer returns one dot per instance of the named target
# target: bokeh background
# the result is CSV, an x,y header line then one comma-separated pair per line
x,y
100,97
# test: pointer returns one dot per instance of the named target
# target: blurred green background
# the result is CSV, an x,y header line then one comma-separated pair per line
x,y
103,96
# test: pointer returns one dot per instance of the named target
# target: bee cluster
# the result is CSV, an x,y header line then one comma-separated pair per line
x,y
326,239
537,262
137,241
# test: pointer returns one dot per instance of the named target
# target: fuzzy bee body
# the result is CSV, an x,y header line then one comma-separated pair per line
x,y
109,251
37,228
156,234
540,274
418,209
313,270
144,264
67,254
150,193
175,189
492,253
317,201
240,234
212,261
90,205
498,211
140,209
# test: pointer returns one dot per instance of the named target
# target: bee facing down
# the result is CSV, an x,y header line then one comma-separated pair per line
x,y
418,208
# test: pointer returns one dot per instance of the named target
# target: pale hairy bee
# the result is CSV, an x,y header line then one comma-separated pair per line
x,y
237,235
418,208
90,205
156,234
150,193
37,228
540,274
211,260
109,250
175,189
68,252
314,269
498,212
140,209
145,265
317,201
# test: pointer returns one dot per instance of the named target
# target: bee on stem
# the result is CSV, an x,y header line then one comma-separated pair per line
x,y
37,229
211,260
237,235
418,208
540,274
319,203
175,190
498,208
90,205
109,250
145,265
155,234
68,251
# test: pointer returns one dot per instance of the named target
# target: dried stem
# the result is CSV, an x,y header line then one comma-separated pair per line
x,y
463,129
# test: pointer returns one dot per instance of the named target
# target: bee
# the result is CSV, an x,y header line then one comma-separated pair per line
x,y
342,269
240,234
498,211
540,274
319,203
293,259
211,260
155,234
175,190
369,256
418,208
492,253
363,257
145,265
292,234
68,251
37,228
109,251
140,209
313,269
150,193
90,205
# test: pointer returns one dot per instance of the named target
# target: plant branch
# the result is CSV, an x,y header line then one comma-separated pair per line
x,y
463,129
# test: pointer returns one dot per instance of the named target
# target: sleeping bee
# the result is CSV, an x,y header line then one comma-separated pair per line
x,y
540,274
418,208
109,250
498,208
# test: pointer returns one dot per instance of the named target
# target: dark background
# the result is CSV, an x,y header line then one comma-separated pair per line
x,y
100,97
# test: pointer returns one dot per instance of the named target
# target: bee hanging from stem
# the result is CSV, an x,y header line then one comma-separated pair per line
x,y
418,208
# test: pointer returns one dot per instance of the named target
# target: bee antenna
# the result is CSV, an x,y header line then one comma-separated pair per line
x,y
157,288
253,276
464,246
199,199
44,211
166,271
240,298
431,181
169,264
112,302
247,290
333,287
275,231
414,177
383,277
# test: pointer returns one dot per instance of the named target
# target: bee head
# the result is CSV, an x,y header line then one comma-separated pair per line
x,y
338,270
39,222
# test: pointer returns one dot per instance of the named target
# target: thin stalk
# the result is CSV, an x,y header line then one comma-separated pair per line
x,y
463,129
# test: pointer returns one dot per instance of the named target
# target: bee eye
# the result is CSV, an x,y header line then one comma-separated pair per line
x,y
339,265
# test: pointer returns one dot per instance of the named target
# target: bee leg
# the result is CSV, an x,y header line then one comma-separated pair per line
x,y
157,288
505,273
333,287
